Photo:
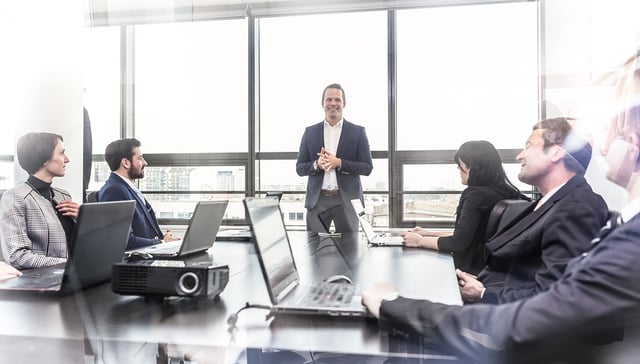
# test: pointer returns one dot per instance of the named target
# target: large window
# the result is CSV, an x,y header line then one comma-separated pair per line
x,y
174,190
465,79
300,55
428,79
191,87
466,73
190,92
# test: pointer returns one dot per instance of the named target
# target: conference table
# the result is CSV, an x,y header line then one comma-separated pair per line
x,y
97,325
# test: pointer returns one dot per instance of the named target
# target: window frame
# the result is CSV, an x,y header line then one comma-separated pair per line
x,y
396,159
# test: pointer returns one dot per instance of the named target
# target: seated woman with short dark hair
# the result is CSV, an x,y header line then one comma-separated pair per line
x,y
36,219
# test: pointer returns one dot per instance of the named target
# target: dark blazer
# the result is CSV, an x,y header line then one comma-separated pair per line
x,y
469,235
353,149
526,258
144,226
599,290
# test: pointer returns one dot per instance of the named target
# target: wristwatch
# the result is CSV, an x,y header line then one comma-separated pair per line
x,y
315,165
391,296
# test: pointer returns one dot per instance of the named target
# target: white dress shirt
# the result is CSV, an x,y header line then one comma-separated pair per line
x,y
130,183
546,197
331,140
630,210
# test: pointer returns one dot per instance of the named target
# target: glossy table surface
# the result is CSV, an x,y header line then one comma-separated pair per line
x,y
107,324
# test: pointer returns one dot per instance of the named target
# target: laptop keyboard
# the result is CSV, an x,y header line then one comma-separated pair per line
x,y
387,238
165,248
329,294
40,282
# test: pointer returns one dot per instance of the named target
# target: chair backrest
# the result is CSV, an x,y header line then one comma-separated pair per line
x,y
503,213
92,196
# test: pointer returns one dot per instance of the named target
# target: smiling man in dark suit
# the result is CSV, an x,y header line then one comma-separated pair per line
x,y
334,154
596,297
526,258
127,164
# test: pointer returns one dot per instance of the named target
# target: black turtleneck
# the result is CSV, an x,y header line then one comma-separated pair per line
x,y
44,189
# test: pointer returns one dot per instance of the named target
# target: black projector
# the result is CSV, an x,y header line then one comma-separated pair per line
x,y
163,278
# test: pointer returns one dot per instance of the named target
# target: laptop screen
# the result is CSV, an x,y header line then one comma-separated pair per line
x,y
203,226
272,245
366,226
99,240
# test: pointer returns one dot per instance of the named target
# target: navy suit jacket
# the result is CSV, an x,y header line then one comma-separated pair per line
x,y
526,258
144,226
599,290
353,150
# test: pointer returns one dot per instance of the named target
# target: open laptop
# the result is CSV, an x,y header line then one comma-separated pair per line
x,y
200,234
281,275
374,239
98,240
243,234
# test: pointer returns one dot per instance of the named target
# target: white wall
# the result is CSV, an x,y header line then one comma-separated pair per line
x,y
41,73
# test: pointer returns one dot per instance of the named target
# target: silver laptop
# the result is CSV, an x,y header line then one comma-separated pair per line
x,y
98,240
375,239
200,234
279,270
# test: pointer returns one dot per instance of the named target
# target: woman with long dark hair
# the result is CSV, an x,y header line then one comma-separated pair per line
x,y
481,170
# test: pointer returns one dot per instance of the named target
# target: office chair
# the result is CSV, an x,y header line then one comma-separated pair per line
x,y
503,213
92,196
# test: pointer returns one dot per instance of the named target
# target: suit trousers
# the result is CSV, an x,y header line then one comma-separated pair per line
x,y
331,209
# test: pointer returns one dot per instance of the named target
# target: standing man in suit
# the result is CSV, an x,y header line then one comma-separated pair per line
x,y
526,258
127,164
598,293
334,154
